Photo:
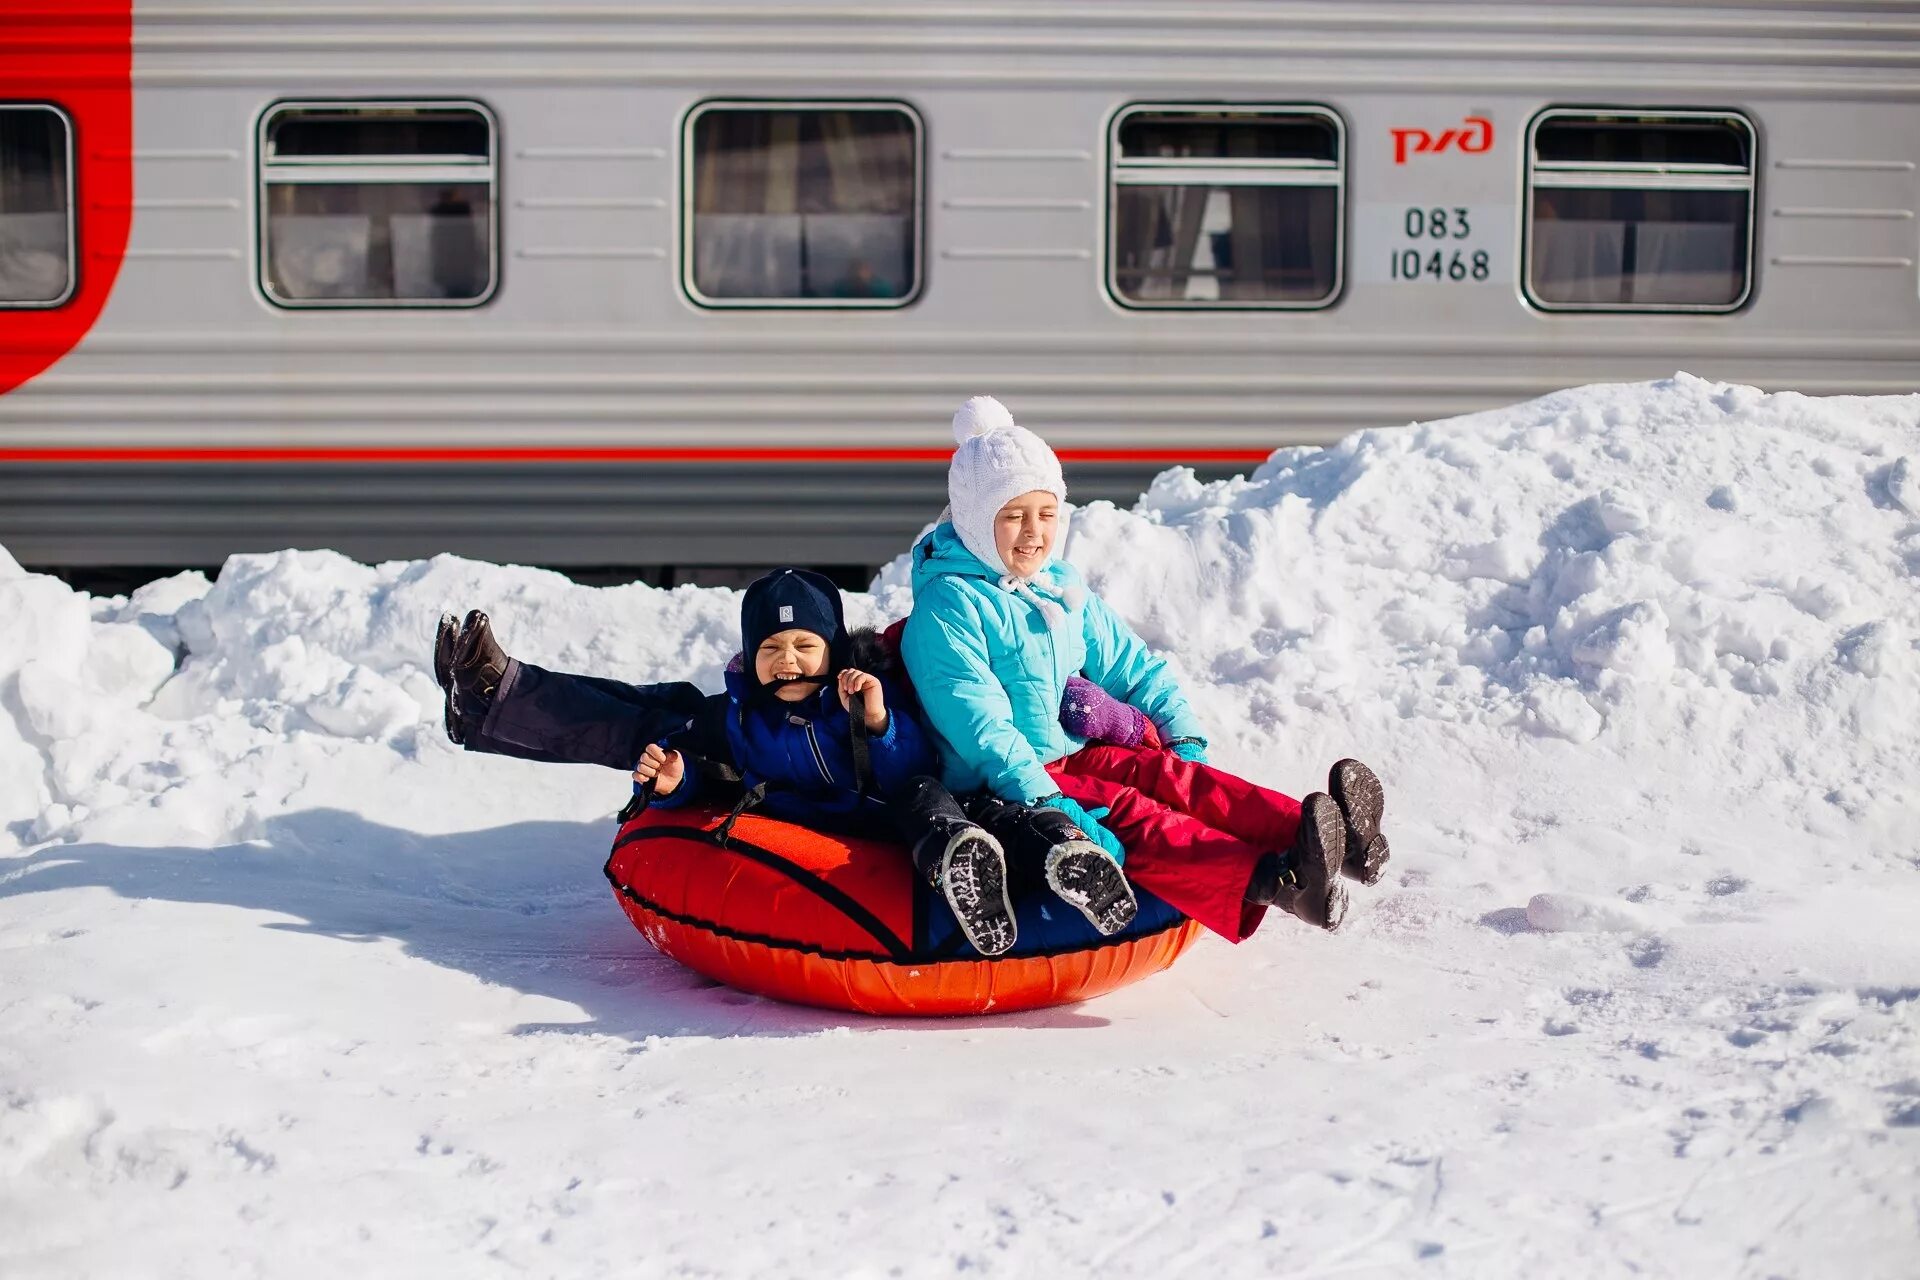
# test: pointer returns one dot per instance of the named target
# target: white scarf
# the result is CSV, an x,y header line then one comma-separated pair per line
x,y
1040,598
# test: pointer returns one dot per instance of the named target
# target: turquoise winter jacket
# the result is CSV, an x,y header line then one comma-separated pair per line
x,y
990,672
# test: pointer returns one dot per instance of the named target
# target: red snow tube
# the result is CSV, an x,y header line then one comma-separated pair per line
x,y
844,923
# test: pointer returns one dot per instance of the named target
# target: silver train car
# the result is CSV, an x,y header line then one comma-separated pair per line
x,y
670,283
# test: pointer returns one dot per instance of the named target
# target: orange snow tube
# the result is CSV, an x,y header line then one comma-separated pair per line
x,y
844,923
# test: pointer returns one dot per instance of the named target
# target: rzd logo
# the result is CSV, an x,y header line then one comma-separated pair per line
x,y
1475,138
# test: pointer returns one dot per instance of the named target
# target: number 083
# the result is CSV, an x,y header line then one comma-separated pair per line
x,y
1412,264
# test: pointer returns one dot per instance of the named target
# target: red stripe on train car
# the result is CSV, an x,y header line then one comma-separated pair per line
x,y
1161,456
77,55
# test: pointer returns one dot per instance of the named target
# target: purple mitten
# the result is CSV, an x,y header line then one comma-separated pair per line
x,y
1088,711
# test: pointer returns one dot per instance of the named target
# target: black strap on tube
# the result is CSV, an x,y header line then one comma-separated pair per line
x,y
755,794
862,755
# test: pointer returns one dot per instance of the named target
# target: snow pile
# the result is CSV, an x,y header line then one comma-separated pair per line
x,y
290,985
1713,594
63,677
1600,560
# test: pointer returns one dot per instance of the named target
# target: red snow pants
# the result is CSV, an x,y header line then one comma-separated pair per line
x,y
1193,832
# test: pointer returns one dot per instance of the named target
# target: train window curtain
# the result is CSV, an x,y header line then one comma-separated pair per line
x,y
1216,207
378,204
807,205
1639,212
36,205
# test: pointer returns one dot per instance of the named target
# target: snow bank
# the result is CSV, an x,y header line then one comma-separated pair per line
x,y
285,976
1712,592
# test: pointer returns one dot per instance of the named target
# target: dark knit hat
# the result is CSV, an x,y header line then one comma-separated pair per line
x,y
793,598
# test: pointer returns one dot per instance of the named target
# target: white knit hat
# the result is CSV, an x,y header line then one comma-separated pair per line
x,y
997,461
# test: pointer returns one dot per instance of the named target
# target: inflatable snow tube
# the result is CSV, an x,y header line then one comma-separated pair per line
x,y
844,923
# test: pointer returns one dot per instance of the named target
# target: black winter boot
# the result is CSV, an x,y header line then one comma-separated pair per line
x,y
444,640
1086,878
1357,791
475,670
1306,878
971,873
1043,844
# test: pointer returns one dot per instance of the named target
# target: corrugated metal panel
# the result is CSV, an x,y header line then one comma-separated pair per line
x,y
544,514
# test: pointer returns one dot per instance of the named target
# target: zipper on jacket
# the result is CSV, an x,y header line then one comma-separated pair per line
x,y
813,743
1053,656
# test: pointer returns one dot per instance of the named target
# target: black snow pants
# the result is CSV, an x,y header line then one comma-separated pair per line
x,y
558,718
928,816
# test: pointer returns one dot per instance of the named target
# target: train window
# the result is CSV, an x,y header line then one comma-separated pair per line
x,y
802,204
1218,206
36,205
378,204
1632,211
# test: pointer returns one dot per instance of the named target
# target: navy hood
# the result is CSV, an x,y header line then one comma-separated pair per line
x,y
787,599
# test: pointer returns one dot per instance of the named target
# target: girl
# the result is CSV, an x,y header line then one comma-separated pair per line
x,y
997,629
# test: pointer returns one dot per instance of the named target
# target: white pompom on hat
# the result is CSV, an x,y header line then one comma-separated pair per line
x,y
997,461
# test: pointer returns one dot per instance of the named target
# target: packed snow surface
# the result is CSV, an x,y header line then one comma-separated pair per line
x,y
290,986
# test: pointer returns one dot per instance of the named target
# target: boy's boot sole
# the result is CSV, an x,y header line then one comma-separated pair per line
x,y
1086,878
445,637
1361,799
1316,895
973,879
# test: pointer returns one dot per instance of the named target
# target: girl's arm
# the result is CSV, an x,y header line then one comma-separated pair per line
x,y
1120,662
945,648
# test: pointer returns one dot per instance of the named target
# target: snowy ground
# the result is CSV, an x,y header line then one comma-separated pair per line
x,y
289,986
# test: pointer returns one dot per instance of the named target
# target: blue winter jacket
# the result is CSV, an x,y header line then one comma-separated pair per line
x,y
803,751
990,672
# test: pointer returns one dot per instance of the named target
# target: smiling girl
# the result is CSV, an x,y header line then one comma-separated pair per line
x,y
999,626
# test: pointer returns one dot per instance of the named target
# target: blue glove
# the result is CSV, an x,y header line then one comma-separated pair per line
x,y
1088,820
1193,749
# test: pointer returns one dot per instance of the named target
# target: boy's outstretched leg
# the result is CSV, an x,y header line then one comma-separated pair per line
x,y
498,705
1306,878
1357,791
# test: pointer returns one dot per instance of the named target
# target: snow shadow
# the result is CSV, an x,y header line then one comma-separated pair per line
x,y
1507,920
525,907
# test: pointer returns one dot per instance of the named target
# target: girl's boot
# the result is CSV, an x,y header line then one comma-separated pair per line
x,y
1306,878
1357,791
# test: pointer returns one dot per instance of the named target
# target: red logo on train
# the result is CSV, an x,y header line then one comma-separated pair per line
x,y
76,55
1475,137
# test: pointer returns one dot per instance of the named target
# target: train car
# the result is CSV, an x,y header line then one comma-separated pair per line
x,y
664,283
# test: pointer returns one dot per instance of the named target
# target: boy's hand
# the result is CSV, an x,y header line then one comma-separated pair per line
x,y
855,682
664,768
